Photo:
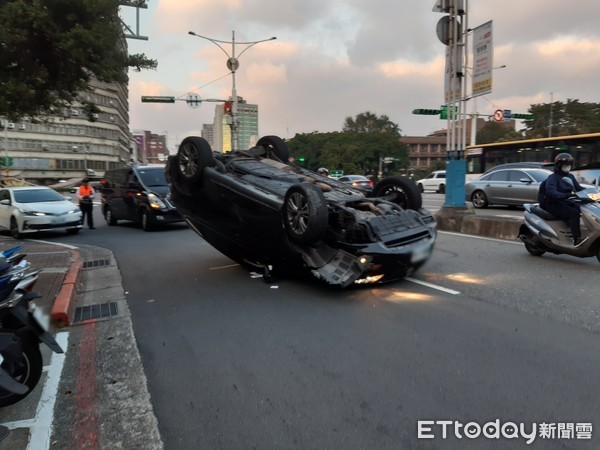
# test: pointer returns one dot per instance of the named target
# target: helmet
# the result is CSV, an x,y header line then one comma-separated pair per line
x,y
563,158
323,171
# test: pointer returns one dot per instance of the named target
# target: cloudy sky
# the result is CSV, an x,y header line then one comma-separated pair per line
x,y
338,58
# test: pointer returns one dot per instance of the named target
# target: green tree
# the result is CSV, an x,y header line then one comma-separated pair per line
x,y
562,119
50,50
496,132
356,150
368,122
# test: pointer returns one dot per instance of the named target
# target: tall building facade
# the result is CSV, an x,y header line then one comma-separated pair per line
x,y
70,144
248,126
152,148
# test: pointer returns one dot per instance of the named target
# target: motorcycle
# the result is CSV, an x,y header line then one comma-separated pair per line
x,y
542,232
23,326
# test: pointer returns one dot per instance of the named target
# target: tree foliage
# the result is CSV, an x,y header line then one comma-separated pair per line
x,y
356,150
562,119
368,122
496,132
51,49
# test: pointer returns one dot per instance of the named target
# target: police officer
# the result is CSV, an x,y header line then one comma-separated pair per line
x,y
323,171
86,195
559,194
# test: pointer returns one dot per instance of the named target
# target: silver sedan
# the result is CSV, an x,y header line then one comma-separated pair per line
x,y
510,187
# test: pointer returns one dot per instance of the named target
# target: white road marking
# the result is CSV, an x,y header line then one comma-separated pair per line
x,y
484,238
223,267
432,286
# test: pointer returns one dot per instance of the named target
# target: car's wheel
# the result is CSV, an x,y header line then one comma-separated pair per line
x,y
479,199
598,252
108,216
275,147
26,369
146,220
14,228
400,190
73,230
421,188
193,156
442,189
305,215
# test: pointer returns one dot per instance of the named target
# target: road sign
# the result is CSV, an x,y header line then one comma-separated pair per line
x,y
507,114
336,173
444,112
157,99
522,116
193,101
498,115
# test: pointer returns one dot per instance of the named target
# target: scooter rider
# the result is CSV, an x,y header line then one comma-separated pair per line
x,y
558,195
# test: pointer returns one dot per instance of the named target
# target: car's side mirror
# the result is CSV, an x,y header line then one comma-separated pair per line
x,y
5,202
525,180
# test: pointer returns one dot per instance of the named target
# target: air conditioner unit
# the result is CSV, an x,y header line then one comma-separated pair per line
x,y
11,126
22,127
95,116
45,147
112,118
110,102
74,112
75,148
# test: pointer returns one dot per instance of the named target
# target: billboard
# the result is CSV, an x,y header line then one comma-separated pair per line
x,y
483,59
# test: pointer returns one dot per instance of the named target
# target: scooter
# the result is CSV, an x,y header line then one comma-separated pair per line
x,y
23,326
542,232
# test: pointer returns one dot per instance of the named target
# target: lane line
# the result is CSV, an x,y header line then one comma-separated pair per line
x,y
432,286
41,430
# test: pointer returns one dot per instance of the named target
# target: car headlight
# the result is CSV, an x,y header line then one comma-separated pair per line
x,y
155,201
33,213
594,195
74,211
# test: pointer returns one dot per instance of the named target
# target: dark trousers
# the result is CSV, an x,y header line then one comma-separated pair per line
x,y
87,211
569,212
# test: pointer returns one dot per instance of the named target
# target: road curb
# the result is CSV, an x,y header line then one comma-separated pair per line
x,y
64,303
464,221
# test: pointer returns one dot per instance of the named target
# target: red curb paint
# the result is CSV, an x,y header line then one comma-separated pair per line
x,y
64,304
86,428
72,275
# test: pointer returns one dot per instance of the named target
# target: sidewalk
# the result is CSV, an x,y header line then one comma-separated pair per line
x,y
95,394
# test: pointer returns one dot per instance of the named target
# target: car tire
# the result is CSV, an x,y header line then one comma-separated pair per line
x,y
400,190
73,230
193,156
108,216
26,370
442,189
479,199
146,220
275,147
14,228
305,215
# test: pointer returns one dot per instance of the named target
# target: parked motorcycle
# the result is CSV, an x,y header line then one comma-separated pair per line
x,y
23,326
542,232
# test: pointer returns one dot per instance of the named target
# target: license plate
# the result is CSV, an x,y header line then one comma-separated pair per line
x,y
420,254
40,317
57,220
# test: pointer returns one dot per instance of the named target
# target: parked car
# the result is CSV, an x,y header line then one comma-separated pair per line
x,y
358,181
267,213
435,181
139,194
30,209
510,187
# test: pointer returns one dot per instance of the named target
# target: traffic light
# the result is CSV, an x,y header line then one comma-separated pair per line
x,y
521,116
155,99
426,112
301,159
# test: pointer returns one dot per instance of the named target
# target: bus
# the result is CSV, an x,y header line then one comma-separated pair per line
x,y
585,148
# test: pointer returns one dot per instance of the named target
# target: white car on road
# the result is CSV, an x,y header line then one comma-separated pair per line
x,y
37,208
435,181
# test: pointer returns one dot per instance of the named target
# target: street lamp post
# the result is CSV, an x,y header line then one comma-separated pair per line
x,y
233,65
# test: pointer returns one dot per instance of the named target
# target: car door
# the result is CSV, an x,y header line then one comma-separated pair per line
x,y
520,191
5,210
496,186
430,182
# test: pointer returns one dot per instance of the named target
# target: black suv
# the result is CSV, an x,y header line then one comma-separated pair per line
x,y
139,194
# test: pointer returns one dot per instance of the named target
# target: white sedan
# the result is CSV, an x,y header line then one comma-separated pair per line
x,y
37,208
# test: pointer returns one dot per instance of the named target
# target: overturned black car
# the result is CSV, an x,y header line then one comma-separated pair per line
x,y
267,213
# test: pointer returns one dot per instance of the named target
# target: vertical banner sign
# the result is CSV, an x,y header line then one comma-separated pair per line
x,y
483,59
451,81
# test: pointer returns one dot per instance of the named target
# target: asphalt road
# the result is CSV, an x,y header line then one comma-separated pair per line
x,y
484,332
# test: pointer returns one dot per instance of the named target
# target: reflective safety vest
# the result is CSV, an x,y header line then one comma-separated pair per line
x,y
85,190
